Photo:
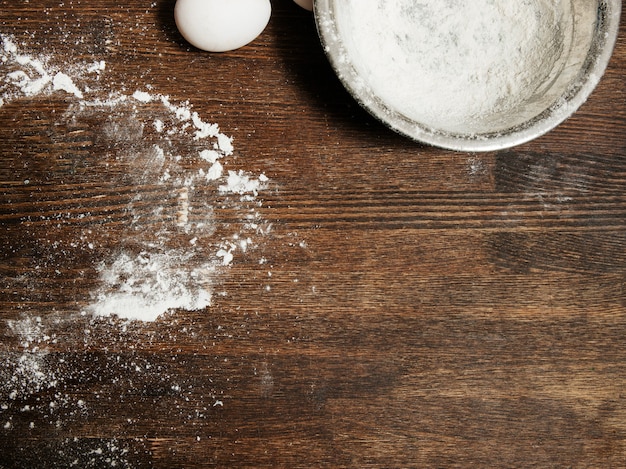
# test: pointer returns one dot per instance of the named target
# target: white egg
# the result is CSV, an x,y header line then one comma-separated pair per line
x,y
306,4
221,25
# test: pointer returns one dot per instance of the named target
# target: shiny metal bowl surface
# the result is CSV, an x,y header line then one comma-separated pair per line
x,y
588,42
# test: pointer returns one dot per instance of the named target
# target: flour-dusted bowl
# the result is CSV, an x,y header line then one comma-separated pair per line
x,y
470,76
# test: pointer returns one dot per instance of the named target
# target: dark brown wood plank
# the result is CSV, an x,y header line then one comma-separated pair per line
x,y
397,305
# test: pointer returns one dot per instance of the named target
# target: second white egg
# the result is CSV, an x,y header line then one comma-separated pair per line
x,y
221,25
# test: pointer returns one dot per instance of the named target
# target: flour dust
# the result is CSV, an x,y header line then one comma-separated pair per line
x,y
167,259
173,175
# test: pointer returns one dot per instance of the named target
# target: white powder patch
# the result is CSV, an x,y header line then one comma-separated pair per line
x,y
146,286
210,155
97,67
28,86
63,82
240,183
142,96
143,285
145,276
215,171
225,144
30,75
204,129
226,255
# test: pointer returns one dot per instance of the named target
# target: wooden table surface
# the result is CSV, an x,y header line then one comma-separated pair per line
x,y
388,304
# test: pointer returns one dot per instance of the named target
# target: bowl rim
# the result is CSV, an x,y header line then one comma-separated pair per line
x,y
594,67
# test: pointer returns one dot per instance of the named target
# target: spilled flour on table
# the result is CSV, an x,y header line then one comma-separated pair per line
x,y
167,259
171,176
156,275
28,76
147,209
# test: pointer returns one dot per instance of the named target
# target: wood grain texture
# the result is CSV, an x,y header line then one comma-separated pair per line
x,y
414,307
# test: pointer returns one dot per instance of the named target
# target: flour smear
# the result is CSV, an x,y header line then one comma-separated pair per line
x,y
171,259
166,208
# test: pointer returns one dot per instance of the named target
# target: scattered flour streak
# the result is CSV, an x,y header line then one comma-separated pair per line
x,y
168,259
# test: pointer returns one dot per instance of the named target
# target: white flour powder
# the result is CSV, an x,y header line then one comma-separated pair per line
x,y
156,243
27,75
145,276
448,63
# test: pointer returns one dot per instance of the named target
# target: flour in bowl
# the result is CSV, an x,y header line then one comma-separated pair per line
x,y
450,63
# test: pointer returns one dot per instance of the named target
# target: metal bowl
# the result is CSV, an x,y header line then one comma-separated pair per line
x,y
581,36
